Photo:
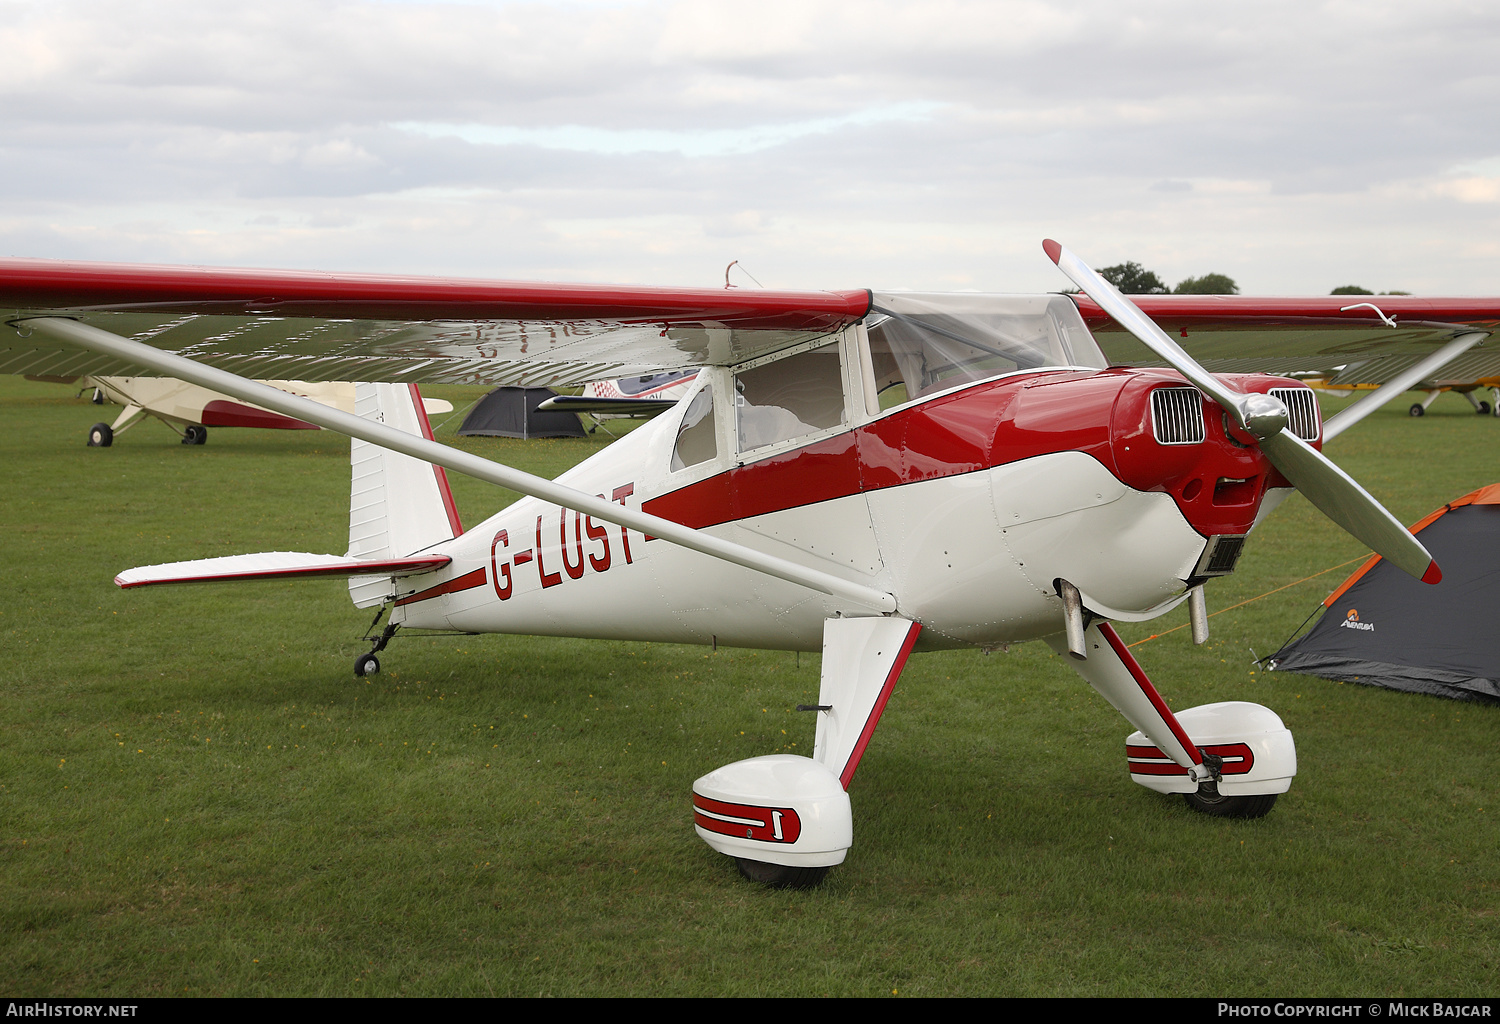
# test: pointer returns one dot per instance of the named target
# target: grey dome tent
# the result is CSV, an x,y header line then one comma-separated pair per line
x,y
511,412
1383,628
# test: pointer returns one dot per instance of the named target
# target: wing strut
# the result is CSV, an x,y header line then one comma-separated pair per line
x,y
1401,383
171,365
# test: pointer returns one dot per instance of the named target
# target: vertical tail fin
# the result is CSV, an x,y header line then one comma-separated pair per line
x,y
398,505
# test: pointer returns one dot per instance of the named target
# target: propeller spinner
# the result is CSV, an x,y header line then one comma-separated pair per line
x,y
1334,492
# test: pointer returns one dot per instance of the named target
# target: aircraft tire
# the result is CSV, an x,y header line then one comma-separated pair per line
x,y
101,436
1209,801
194,434
1484,409
780,876
366,665
1416,410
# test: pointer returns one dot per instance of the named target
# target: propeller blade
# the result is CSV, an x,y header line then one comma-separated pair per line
x,y
1334,492
1130,317
1339,497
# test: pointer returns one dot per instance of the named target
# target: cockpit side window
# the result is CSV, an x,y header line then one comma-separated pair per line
x,y
790,397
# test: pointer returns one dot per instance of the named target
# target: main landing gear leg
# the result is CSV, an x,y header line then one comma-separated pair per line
x,y
1481,407
1243,756
1420,408
102,435
786,819
368,664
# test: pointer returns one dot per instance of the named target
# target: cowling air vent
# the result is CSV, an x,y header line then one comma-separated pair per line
x,y
1302,411
1177,415
1221,555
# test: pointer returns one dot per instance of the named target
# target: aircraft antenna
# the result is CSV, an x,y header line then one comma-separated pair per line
x,y
732,265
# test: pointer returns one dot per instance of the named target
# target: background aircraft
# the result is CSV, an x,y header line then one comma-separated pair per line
x,y
1359,381
868,474
191,410
647,395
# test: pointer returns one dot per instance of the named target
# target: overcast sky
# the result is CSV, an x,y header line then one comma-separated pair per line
x,y
1293,146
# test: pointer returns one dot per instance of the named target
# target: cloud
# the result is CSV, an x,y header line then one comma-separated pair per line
x,y
826,142
697,143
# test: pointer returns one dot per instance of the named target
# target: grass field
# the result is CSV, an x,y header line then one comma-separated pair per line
x,y
198,797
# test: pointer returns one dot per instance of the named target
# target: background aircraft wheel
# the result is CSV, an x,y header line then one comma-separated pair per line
x,y
101,436
1416,410
195,434
780,876
1209,801
1484,409
366,665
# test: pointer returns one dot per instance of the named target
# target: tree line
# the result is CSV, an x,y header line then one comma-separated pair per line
x,y
1133,279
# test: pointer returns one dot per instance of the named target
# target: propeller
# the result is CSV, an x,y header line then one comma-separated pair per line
x,y
1334,492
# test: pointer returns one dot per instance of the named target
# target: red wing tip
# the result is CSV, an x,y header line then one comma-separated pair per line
x,y
1052,249
1433,574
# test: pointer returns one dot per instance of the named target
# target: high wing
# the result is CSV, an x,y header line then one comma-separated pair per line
x,y
318,327
1343,339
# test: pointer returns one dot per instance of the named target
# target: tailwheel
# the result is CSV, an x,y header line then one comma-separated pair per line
x,y
780,876
1208,800
366,665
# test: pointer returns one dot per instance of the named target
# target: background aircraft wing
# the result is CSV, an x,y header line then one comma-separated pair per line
x,y
317,327
1313,335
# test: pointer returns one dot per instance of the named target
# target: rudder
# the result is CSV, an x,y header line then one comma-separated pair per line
x,y
398,505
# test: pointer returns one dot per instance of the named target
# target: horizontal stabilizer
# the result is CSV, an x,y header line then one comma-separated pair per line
x,y
612,406
273,565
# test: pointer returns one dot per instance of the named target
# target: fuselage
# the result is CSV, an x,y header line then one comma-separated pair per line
x,y
967,506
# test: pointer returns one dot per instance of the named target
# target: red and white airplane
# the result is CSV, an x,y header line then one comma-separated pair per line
x,y
648,395
190,410
863,474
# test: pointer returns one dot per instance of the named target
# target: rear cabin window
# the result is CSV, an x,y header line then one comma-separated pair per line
x,y
695,438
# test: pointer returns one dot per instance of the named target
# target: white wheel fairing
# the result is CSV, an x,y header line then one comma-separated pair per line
x,y
778,809
1259,753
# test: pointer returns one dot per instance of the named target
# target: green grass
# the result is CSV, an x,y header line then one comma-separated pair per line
x,y
198,797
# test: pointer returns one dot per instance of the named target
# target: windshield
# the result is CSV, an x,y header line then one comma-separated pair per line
x,y
924,343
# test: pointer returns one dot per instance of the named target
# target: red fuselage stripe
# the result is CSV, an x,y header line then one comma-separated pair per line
x,y
468,581
1102,414
946,436
847,776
